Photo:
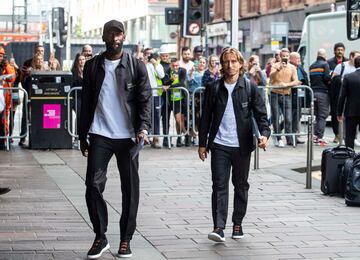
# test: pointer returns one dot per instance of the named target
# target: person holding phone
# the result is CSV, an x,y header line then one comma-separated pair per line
x,y
213,71
283,77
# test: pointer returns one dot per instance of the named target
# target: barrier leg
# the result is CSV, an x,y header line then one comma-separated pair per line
x,y
309,154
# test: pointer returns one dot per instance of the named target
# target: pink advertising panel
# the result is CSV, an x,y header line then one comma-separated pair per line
x,y
51,116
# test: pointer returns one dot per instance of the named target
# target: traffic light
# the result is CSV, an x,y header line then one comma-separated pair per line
x,y
173,15
208,11
192,18
58,25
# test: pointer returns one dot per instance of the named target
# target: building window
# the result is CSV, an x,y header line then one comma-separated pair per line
x,y
272,4
219,9
253,6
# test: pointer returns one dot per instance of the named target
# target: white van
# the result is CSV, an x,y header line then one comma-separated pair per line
x,y
323,31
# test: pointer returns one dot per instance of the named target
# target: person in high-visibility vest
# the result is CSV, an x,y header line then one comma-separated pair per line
x,y
6,69
177,98
156,73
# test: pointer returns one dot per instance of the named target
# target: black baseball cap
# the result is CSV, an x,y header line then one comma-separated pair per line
x,y
113,24
198,49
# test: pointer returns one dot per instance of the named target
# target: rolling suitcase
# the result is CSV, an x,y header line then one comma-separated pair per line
x,y
332,162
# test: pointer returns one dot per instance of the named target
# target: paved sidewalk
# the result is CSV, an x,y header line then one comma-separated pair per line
x,y
45,216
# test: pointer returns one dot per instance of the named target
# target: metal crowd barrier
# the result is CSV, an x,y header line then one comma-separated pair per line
x,y
166,125
73,106
166,121
11,123
280,105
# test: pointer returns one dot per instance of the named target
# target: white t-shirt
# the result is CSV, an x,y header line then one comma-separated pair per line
x,y
153,72
111,119
347,69
188,66
227,133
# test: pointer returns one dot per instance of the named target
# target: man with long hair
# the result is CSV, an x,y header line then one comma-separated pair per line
x,y
225,129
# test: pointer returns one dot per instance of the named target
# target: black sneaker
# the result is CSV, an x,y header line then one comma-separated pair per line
x,y
22,142
178,142
124,249
99,246
4,190
217,235
237,232
187,140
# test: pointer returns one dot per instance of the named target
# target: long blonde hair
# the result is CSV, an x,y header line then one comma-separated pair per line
x,y
238,55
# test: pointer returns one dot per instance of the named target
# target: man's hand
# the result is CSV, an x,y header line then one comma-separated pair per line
x,y
263,141
84,147
202,153
165,88
142,135
340,118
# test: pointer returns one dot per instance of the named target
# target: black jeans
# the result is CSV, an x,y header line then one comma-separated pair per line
x,y
222,159
351,123
100,152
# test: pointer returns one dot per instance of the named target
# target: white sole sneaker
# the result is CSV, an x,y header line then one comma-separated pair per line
x,y
215,237
125,256
99,254
237,237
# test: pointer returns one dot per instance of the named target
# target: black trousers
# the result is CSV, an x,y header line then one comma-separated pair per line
x,y
223,158
351,123
100,152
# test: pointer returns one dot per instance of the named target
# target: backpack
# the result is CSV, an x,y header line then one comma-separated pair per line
x,y
352,191
336,84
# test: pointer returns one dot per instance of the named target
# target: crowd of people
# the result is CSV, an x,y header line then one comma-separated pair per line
x,y
169,77
125,98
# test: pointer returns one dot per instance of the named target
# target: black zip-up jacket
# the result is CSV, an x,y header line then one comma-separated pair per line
x,y
214,108
333,63
136,92
320,75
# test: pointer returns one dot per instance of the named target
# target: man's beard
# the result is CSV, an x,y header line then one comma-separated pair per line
x,y
110,48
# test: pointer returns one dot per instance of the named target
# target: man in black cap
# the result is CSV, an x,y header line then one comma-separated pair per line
x,y
115,111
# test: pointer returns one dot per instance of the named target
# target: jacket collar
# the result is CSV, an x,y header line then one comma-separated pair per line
x,y
239,84
123,62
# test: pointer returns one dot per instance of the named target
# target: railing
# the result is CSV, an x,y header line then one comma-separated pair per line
x,y
282,107
8,130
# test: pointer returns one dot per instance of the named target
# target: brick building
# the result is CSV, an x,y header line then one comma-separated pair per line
x,y
257,17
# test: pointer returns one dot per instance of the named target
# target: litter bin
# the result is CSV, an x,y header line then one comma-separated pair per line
x,y
48,112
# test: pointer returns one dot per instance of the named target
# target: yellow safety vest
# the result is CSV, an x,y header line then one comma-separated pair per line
x,y
175,95
159,83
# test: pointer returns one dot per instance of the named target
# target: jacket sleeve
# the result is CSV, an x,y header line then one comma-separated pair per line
x,y
342,96
86,99
206,116
143,97
327,75
259,111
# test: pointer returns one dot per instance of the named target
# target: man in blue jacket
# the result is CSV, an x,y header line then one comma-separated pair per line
x,y
320,76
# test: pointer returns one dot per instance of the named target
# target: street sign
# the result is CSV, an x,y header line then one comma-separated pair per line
x,y
194,28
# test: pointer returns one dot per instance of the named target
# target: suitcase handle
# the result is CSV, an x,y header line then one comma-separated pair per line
x,y
342,154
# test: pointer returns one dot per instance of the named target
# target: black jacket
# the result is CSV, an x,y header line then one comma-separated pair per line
x,y
137,92
214,108
350,91
320,75
333,62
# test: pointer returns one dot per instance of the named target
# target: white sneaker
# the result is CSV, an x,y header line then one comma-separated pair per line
x,y
281,144
357,142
